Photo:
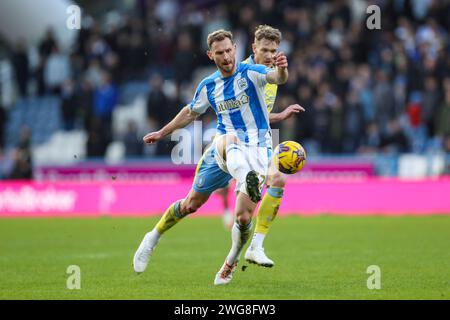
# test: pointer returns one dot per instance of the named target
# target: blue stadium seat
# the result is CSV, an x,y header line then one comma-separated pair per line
x,y
41,114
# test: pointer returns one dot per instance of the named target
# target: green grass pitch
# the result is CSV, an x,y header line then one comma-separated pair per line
x,y
322,257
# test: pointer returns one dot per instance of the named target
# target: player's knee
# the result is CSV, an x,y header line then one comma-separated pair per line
x,y
231,139
244,219
277,180
220,145
223,142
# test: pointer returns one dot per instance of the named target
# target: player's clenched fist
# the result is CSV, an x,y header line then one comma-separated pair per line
x,y
152,137
281,60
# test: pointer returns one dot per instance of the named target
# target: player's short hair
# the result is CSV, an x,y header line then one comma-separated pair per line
x,y
219,35
267,32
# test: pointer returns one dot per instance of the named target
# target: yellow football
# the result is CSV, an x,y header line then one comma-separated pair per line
x,y
291,157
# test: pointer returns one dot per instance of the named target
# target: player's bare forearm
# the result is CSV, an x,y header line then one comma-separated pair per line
x,y
286,113
181,120
280,75
277,76
275,117
283,75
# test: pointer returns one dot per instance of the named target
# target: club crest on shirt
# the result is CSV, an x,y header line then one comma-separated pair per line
x,y
242,84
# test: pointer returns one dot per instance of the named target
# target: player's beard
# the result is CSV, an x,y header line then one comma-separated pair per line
x,y
227,68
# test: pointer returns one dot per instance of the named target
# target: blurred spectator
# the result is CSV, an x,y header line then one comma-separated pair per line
x,y
112,65
132,140
185,60
269,13
361,83
288,126
39,76
446,147
414,110
105,100
21,67
22,167
305,120
321,122
48,44
431,98
157,101
136,56
372,139
6,163
383,99
336,126
394,140
336,33
97,47
69,104
415,128
56,71
97,141
3,120
442,119
85,100
353,123
94,73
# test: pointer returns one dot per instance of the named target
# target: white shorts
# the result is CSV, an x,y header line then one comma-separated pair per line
x,y
257,157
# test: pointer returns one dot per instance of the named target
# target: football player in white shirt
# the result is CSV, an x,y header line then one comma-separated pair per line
x,y
241,150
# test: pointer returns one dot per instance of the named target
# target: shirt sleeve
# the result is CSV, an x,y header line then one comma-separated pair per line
x,y
200,102
270,94
257,73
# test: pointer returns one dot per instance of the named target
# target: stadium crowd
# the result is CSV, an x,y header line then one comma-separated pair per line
x,y
365,91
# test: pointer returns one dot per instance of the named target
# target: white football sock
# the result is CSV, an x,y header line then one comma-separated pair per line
x,y
258,240
237,164
153,237
239,237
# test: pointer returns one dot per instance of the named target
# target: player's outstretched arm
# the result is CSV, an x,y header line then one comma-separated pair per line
x,y
280,74
181,120
286,113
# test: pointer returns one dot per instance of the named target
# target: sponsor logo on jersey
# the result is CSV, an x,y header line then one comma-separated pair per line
x,y
232,103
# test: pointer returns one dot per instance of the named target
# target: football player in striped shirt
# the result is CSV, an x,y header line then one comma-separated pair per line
x,y
265,46
241,150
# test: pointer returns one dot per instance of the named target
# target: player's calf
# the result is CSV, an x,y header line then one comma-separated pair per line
x,y
267,212
189,206
172,216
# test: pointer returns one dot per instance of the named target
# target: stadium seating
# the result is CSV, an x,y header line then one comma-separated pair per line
x,y
64,147
41,114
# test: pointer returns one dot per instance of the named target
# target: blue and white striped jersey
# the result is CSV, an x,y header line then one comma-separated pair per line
x,y
238,102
